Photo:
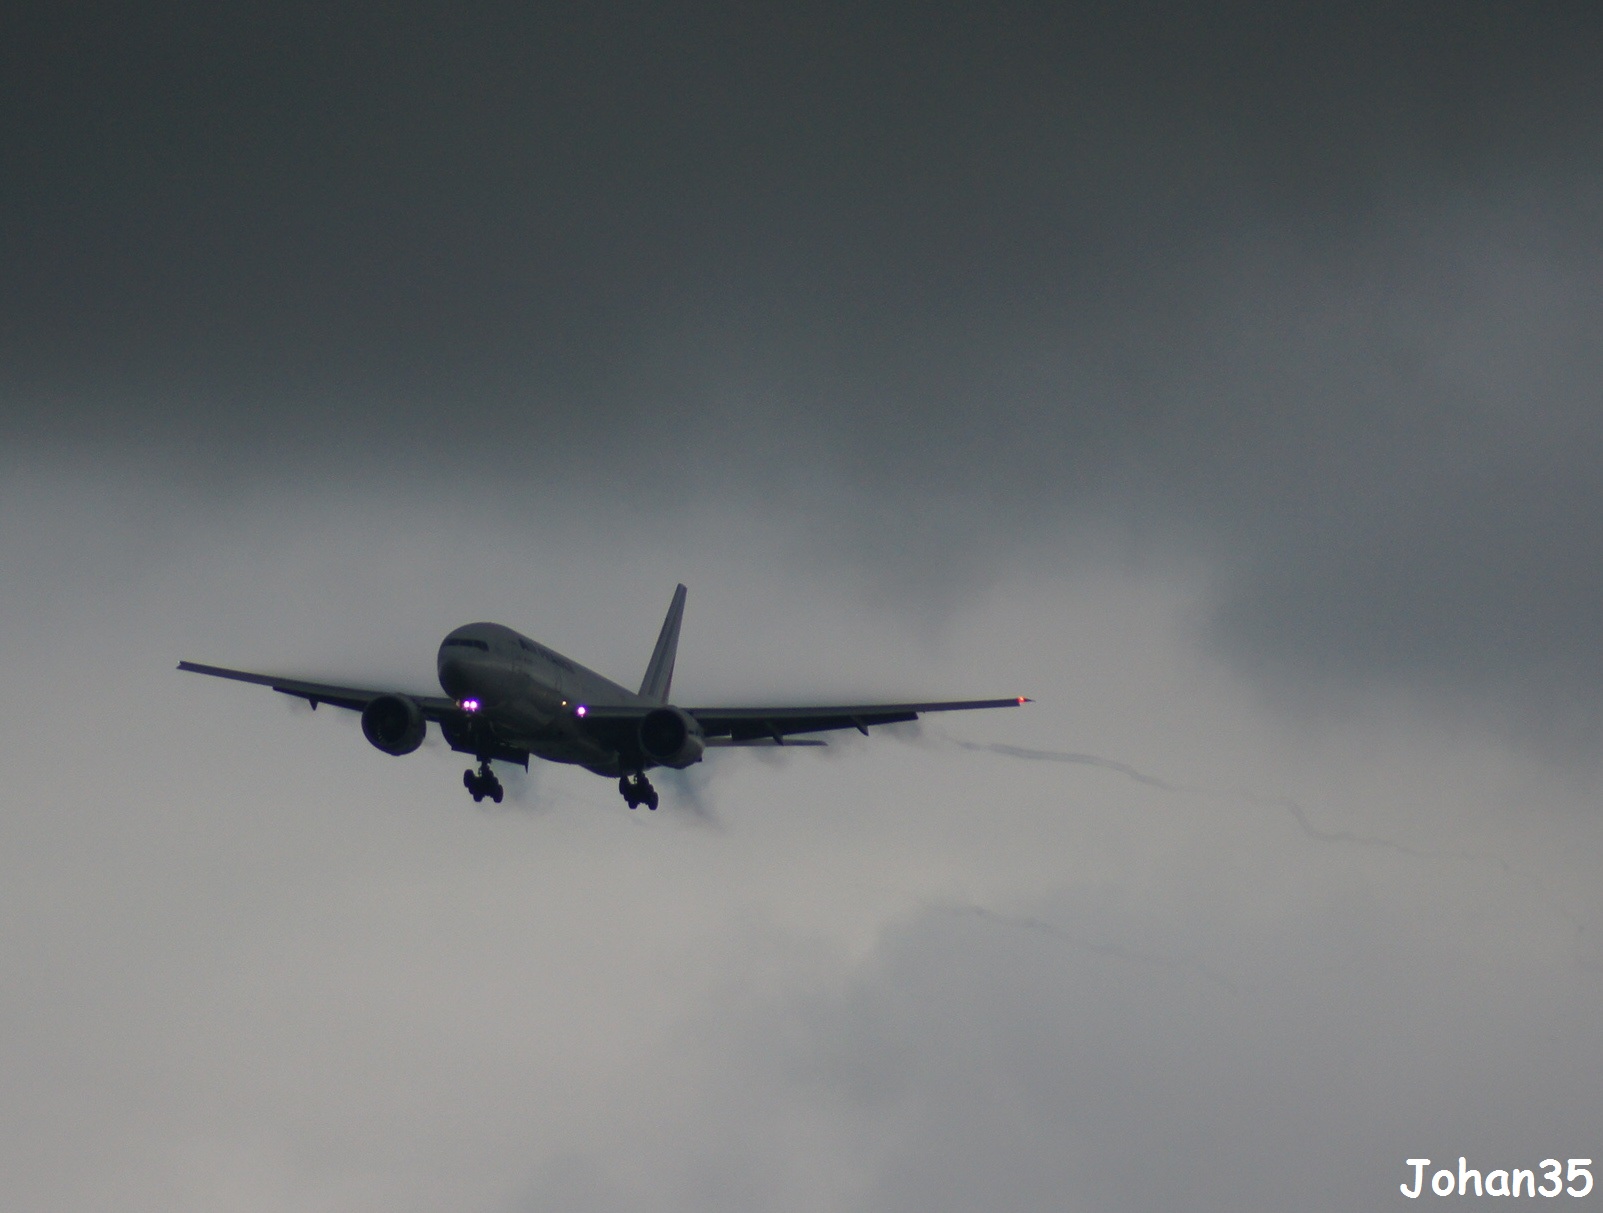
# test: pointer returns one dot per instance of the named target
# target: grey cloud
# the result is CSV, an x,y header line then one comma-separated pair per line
x,y
974,1058
1102,949
248,953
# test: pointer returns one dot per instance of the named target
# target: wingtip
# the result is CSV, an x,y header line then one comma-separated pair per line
x,y
1024,699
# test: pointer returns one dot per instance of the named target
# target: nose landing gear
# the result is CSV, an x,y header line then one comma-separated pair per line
x,y
483,784
637,791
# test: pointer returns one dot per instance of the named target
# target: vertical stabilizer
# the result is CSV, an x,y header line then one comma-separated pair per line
x,y
659,674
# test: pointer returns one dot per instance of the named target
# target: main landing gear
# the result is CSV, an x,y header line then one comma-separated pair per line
x,y
637,790
484,783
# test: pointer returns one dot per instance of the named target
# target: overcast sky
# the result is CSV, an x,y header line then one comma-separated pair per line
x,y
1224,377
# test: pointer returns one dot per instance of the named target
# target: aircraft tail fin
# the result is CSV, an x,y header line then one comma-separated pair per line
x,y
659,674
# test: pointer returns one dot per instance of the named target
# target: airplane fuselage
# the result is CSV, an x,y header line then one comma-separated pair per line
x,y
521,695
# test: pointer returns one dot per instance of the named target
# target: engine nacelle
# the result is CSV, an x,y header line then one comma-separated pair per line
x,y
672,738
394,724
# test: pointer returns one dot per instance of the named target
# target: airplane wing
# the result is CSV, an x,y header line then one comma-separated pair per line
x,y
434,707
743,726
754,726
736,726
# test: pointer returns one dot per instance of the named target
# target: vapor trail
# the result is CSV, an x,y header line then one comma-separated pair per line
x,y
1291,808
1116,951
1090,760
689,793
1294,810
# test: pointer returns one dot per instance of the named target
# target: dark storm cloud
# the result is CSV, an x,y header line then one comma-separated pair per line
x,y
1313,287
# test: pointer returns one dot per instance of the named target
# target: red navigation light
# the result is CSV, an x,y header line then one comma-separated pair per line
x,y
470,705
580,711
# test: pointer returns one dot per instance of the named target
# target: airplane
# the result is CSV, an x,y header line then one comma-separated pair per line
x,y
508,697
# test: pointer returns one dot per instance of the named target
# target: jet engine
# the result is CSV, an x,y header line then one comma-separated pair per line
x,y
671,737
394,724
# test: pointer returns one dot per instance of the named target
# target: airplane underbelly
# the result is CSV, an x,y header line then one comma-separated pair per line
x,y
525,709
576,752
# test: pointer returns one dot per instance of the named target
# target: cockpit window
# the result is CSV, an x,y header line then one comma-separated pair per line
x,y
465,643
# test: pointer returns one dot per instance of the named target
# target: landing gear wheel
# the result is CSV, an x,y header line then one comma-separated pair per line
x,y
483,784
637,790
